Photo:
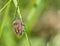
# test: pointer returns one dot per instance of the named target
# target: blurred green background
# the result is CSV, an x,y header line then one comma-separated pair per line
x,y
32,11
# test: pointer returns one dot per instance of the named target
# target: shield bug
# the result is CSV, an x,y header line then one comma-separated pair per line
x,y
17,25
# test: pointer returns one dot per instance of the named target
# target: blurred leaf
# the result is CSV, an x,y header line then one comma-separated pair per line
x,y
35,12
4,18
34,41
4,6
8,36
24,3
55,41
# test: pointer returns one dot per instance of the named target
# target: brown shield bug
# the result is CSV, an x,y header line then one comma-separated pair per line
x,y
17,25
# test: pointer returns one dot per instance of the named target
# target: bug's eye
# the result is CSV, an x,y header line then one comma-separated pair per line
x,y
14,23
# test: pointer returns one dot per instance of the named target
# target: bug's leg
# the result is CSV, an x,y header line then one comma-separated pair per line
x,y
20,31
23,27
15,31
